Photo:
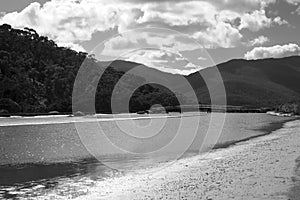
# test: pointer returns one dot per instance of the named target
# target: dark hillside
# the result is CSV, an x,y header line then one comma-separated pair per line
x,y
266,82
37,76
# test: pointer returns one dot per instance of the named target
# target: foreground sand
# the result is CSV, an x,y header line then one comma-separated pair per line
x,y
262,168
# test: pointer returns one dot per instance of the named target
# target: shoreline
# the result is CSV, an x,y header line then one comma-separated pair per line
x,y
261,168
72,114
65,119
267,129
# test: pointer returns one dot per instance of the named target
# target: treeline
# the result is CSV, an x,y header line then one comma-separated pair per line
x,y
293,107
37,76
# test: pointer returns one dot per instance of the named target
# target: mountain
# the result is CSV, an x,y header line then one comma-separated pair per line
x,y
266,82
258,83
146,72
37,76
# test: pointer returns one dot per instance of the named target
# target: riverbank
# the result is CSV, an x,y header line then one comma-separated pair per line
x,y
168,109
262,168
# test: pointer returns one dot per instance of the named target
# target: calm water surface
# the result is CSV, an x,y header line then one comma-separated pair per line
x,y
45,155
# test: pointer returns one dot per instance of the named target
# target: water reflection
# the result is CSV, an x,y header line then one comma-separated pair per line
x,y
31,180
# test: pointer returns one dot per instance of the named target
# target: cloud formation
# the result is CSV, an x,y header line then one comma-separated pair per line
x,y
258,20
167,61
258,41
294,2
215,23
65,22
71,45
278,51
298,10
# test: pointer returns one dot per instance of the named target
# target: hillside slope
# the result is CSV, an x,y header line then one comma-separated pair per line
x,y
267,82
37,76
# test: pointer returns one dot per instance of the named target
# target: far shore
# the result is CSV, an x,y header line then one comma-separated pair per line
x,y
90,114
169,109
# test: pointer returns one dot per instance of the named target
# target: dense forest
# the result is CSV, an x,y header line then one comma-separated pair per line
x,y
37,76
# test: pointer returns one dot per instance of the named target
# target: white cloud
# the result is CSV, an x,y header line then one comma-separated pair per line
x,y
241,6
277,51
209,21
73,20
66,21
177,71
178,13
200,19
222,35
149,38
258,20
279,21
190,66
201,58
72,46
258,41
298,10
294,2
172,62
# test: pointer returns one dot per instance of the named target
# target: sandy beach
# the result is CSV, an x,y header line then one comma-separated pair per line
x,y
261,168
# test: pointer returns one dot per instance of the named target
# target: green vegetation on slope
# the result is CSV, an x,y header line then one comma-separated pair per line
x,y
259,83
37,76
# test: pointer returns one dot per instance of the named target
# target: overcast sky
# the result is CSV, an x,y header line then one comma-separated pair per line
x,y
177,36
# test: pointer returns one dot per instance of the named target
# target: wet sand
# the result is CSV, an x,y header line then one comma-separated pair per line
x,y
261,168
294,193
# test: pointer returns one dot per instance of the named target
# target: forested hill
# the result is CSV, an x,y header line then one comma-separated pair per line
x,y
251,83
259,83
37,76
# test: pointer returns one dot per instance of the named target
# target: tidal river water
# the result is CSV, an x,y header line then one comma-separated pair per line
x,y
58,155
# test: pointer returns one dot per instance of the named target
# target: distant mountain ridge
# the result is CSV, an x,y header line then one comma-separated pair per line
x,y
265,82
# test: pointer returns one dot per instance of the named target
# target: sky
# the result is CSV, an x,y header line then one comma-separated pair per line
x,y
175,36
